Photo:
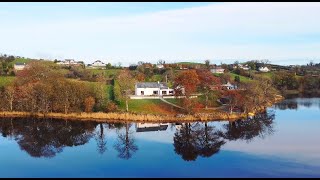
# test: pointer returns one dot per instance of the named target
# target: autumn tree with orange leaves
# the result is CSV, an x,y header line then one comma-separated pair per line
x,y
207,81
236,99
186,84
89,103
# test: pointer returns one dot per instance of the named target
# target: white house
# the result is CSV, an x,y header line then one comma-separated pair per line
x,y
68,62
244,67
264,69
19,66
160,66
218,70
98,64
143,127
152,89
228,86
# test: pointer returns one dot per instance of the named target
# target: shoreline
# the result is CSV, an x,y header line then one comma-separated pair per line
x,y
132,117
126,117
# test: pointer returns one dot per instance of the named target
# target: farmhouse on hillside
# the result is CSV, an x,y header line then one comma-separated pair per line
x,y
264,69
19,66
227,86
218,70
152,89
69,62
97,64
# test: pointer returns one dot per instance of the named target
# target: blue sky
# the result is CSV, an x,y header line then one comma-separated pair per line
x,y
284,33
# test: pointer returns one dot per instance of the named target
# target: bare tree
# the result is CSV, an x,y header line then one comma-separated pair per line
x,y
124,86
125,144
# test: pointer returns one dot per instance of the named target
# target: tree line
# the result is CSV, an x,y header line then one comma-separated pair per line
x,y
283,81
48,137
42,88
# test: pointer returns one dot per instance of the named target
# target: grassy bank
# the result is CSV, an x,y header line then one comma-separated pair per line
x,y
106,72
242,78
128,117
5,80
148,106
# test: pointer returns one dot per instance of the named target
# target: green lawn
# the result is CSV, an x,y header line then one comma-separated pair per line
x,y
107,88
217,74
154,78
267,74
189,63
5,80
138,105
147,106
242,78
107,72
174,101
20,60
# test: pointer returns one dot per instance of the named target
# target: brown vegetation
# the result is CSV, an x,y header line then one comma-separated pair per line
x,y
99,116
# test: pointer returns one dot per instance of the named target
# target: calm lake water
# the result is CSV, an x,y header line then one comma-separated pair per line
x,y
284,142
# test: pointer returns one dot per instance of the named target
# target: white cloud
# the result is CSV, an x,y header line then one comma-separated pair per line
x,y
189,33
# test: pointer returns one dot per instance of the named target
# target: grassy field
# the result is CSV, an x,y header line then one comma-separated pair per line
x,y
107,88
148,106
20,60
154,78
174,101
266,74
107,72
189,63
5,80
242,78
217,74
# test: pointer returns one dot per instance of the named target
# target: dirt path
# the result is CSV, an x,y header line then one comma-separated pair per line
x,y
170,103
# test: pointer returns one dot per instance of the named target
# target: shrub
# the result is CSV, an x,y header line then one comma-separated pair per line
x,y
111,107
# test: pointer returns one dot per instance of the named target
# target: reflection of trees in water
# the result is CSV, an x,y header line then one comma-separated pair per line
x,y
208,140
261,125
47,137
7,128
200,139
44,137
125,144
101,139
294,103
196,140
305,104
184,143
287,104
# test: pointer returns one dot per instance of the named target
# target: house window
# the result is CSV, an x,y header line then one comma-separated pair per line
x,y
170,92
164,92
142,92
155,92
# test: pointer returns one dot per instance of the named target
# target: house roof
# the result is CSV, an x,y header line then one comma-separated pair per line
x,y
228,84
98,61
152,85
218,68
159,128
20,64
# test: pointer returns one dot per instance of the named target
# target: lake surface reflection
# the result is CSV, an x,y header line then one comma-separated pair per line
x,y
283,142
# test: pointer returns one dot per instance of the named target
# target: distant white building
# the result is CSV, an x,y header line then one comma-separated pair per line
x,y
264,69
19,66
69,62
244,67
218,70
152,89
98,64
160,66
143,127
228,86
